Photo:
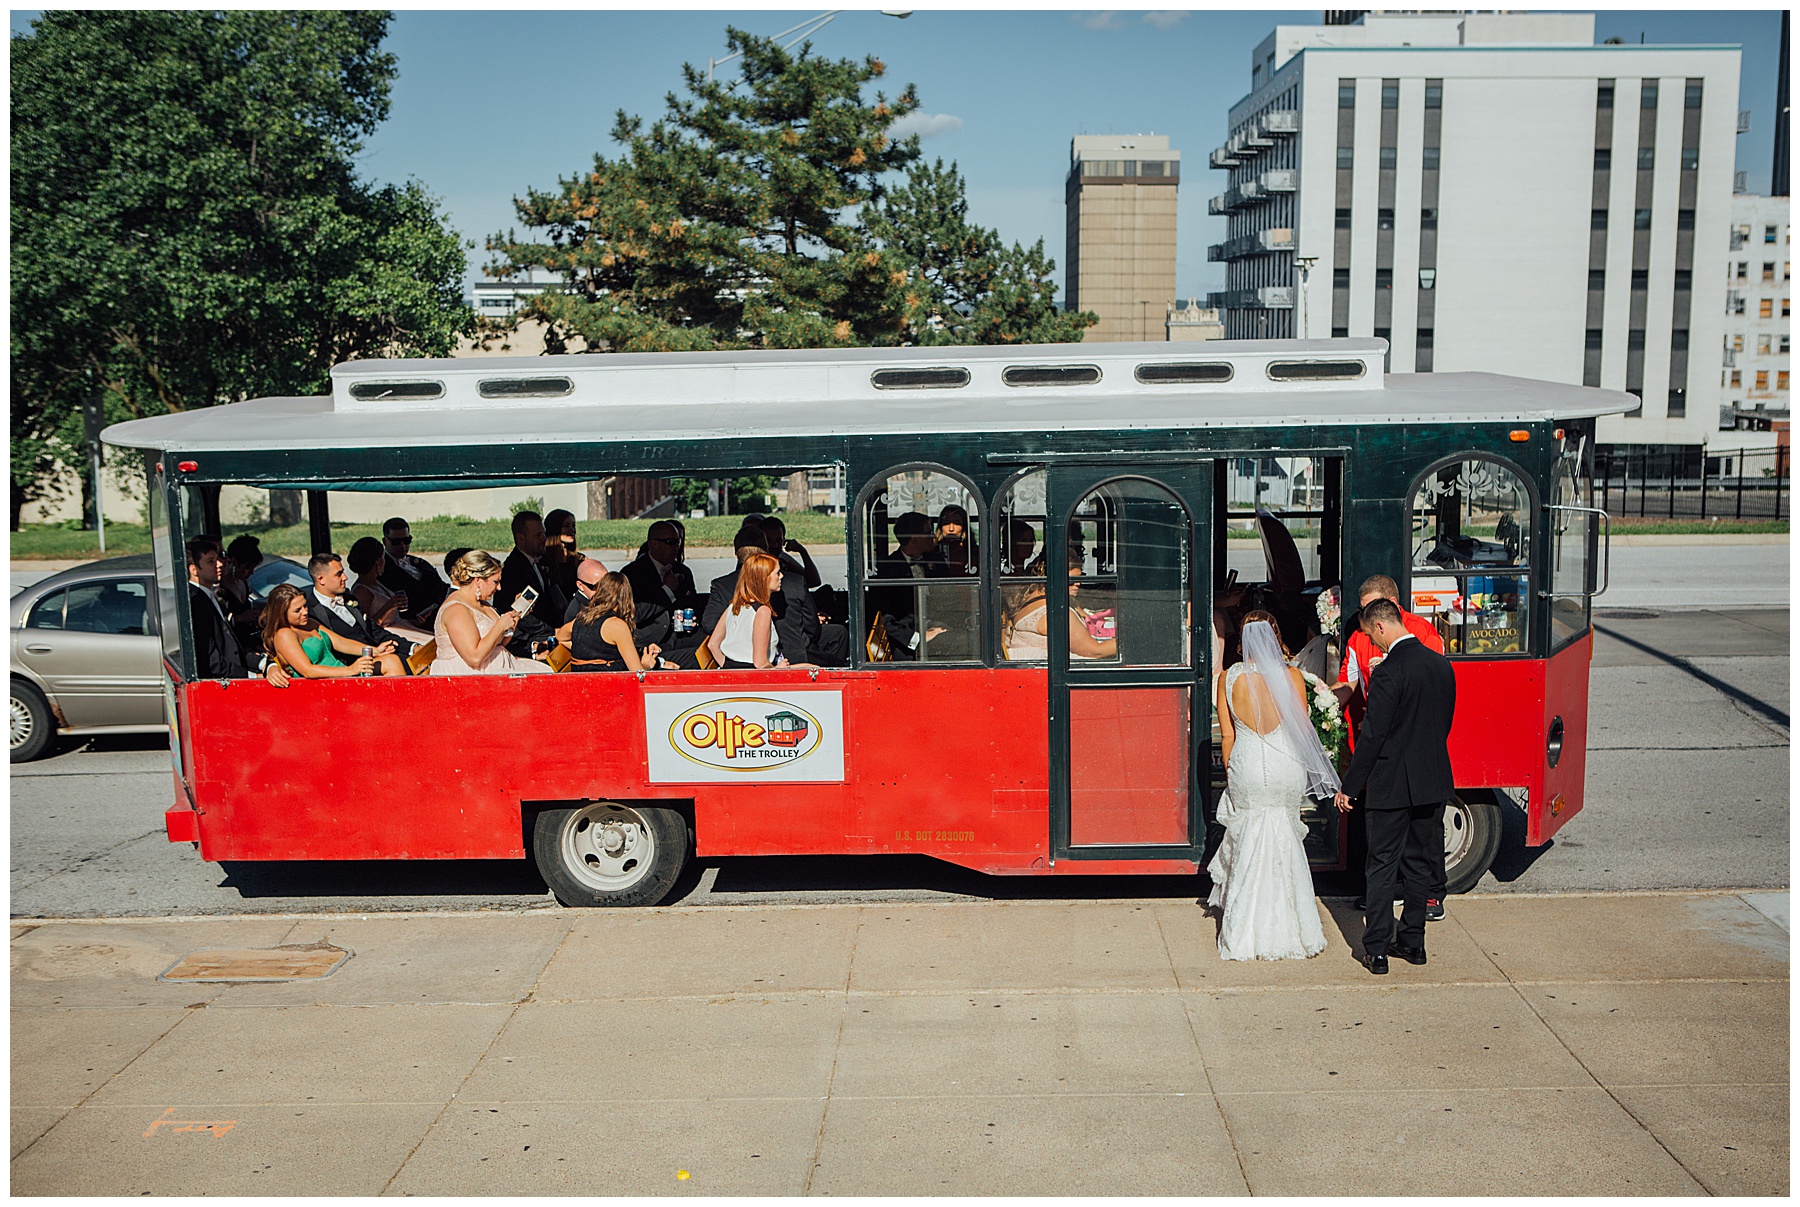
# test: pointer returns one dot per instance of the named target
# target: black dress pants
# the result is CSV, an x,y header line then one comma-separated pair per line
x,y
1405,845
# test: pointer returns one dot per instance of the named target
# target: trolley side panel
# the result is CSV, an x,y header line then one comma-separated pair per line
x,y
1497,738
1565,699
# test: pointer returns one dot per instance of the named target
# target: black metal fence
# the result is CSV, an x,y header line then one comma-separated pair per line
x,y
1748,484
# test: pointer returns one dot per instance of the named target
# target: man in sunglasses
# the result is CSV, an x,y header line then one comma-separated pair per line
x,y
663,587
412,576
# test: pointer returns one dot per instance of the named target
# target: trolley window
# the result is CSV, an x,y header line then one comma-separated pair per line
x,y
1471,529
921,568
1574,549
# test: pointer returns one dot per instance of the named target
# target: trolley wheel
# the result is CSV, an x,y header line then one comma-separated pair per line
x,y
606,853
33,728
1471,838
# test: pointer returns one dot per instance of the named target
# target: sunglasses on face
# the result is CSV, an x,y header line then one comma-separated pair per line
x,y
400,540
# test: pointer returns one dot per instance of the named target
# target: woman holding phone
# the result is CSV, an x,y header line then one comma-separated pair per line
x,y
471,636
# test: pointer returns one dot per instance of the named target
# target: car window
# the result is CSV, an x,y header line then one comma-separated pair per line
x,y
275,571
47,613
113,606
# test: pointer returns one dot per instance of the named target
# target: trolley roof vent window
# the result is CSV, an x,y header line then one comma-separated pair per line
x,y
1183,375
381,391
1050,375
526,387
1316,370
943,377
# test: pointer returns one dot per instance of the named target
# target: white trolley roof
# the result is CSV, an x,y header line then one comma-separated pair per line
x,y
631,397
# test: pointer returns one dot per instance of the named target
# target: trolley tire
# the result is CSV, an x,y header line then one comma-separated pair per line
x,y
33,726
1471,838
609,853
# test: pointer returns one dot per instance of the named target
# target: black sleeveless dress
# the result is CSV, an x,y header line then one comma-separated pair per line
x,y
590,651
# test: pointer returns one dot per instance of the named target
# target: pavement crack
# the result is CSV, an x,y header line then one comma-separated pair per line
x,y
84,860
837,1052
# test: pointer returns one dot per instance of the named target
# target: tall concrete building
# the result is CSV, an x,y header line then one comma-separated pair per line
x,y
1120,201
1492,192
1753,377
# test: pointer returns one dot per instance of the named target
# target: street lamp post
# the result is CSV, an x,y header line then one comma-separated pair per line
x,y
1304,264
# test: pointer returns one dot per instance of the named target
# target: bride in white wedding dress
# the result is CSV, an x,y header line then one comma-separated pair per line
x,y
1262,886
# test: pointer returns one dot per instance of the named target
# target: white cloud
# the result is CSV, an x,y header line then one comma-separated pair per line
x,y
925,125
1164,18
1101,20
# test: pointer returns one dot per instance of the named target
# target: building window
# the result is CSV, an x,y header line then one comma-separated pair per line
x,y
1768,270
1343,220
1431,159
1768,234
1677,403
1781,345
1640,278
1781,379
1737,378
1384,221
1692,100
1634,340
1743,270
1346,157
1593,339
1762,379
1346,94
1599,220
1422,352
1434,94
1784,308
1678,340
1684,220
1340,333
1737,343
1647,98
1387,158
1765,309
1596,280
1690,159
1384,278
1641,220
1646,159
1604,99
1762,345
1602,159
1684,279
1390,94
1428,219
1340,278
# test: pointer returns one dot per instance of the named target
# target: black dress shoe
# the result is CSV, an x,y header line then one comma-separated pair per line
x,y
1412,955
1375,964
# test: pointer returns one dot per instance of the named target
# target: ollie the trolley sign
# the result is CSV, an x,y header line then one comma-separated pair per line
x,y
1039,703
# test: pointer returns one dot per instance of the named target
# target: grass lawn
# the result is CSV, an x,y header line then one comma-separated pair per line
x,y
50,541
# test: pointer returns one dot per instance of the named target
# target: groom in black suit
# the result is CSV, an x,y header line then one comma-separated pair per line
x,y
1403,760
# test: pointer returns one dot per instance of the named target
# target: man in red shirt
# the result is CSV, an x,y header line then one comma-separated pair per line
x,y
1361,657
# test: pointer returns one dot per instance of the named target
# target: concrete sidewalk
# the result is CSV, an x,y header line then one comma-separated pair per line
x,y
1619,1044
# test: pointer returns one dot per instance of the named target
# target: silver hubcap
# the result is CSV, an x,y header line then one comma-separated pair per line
x,y
608,847
1459,832
21,723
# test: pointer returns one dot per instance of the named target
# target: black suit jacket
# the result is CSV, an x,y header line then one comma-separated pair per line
x,y
546,615
796,617
218,651
899,606
422,593
364,632
1402,747
655,612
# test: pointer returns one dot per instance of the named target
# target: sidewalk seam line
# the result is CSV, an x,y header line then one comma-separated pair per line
x,y
837,1051
1212,1091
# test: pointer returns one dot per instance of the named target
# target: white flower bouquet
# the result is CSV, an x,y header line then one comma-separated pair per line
x,y
1331,610
1327,718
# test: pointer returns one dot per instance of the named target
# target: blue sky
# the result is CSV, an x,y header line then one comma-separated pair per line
x,y
491,103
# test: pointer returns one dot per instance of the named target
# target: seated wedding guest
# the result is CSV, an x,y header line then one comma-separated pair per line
x,y
452,557
602,638
746,542
560,554
471,635
799,625
1025,621
953,541
411,576
917,557
744,636
663,587
367,561
334,607
219,652
309,650
242,557
524,568
588,573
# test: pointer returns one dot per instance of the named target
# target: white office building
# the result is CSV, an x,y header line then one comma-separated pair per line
x,y
1753,376
1490,192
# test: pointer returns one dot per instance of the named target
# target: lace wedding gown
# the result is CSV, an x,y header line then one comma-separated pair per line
x,y
1262,886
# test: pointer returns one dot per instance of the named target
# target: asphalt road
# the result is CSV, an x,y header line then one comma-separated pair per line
x,y
1687,788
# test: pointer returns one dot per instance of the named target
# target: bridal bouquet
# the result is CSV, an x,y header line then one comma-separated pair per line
x,y
1327,719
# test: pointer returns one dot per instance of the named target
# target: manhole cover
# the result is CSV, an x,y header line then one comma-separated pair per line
x,y
295,962
1626,614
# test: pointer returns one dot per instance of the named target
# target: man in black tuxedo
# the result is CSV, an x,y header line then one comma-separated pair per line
x,y
661,585
219,653
413,577
332,605
918,557
1402,758
804,636
523,568
746,542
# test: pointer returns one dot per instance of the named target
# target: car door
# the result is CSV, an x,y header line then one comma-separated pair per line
x,y
103,664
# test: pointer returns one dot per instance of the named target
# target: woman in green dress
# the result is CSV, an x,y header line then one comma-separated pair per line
x,y
312,651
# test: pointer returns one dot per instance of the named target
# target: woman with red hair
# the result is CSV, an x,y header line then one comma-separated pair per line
x,y
745,635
